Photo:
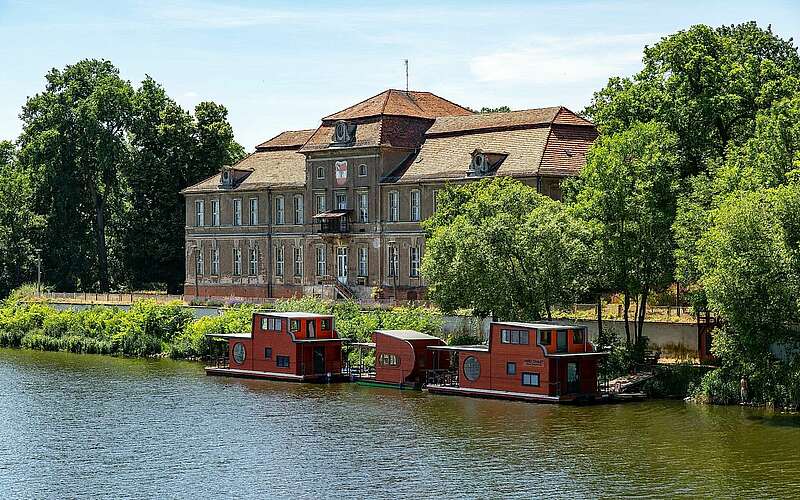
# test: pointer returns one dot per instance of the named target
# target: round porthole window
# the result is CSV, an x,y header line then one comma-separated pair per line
x,y
239,353
472,368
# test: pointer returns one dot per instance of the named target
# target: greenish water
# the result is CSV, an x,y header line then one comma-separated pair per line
x,y
91,426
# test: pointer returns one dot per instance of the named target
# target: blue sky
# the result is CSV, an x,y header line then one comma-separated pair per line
x,y
279,66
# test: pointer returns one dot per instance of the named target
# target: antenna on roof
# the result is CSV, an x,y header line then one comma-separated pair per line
x,y
406,75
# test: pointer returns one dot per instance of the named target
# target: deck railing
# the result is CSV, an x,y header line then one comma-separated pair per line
x,y
447,378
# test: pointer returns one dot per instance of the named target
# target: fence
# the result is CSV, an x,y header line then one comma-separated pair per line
x,y
109,298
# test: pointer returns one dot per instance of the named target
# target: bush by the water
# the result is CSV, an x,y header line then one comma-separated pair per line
x,y
152,329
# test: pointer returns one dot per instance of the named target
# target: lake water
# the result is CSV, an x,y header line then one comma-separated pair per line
x,y
92,426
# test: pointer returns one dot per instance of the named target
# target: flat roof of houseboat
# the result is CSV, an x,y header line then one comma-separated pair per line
x,y
571,354
538,326
319,341
229,335
407,334
293,314
479,347
363,344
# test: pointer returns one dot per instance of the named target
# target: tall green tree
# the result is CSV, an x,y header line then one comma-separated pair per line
x,y
74,145
628,191
20,227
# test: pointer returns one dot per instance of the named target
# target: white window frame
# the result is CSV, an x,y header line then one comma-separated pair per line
x,y
253,211
363,262
365,170
363,206
299,209
321,258
215,212
320,171
199,261
414,261
279,262
215,261
320,202
340,195
394,261
199,213
415,200
394,206
253,261
237,211
280,210
298,261
237,261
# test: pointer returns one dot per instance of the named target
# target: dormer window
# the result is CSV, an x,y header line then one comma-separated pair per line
x,y
485,163
230,177
344,133
227,178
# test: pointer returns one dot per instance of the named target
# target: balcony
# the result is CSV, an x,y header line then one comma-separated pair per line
x,y
333,221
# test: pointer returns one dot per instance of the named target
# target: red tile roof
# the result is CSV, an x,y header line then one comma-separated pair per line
x,y
401,103
290,139
505,121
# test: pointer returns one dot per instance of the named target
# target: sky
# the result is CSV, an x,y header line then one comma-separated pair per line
x,y
283,66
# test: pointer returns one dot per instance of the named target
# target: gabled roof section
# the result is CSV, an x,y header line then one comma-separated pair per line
x,y
401,103
527,118
408,335
289,139
281,168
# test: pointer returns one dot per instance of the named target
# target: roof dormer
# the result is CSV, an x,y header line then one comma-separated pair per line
x,y
485,162
230,177
344,133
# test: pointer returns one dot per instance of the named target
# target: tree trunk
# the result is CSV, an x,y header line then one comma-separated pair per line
x,y
549,312
625,316
100,239
599,316
642,311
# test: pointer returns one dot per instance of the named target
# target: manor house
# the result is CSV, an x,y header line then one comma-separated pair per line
x,y
336,211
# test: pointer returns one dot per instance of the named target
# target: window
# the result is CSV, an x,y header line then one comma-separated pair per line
x,y
326,324
514,337
199,261
320,261
237,212
531,379
394,261
298,209
413,262
363,207
294,325
253,211
215,212
298,261
545,337
319,202
363,254
272,324
505,336
388,360
311,329
199,217
282,361
279,210
415,200
278,260
341,200
472,368
253,261
394,206
268,353
320,172
239,353
511,368
362,170
215,261
237,262
577,337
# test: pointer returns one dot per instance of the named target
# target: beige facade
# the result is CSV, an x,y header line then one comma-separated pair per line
x,y
313,212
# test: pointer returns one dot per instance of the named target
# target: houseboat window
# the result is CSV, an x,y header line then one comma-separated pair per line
x,y
472,368
505,336
326,324
268,353
523,337
239,353
294,325
577,337
266,323
531,379
282,361
515,336
389,360
545,337
511,368
278,325
311,330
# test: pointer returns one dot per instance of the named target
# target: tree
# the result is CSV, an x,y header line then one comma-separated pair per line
x,y
499,248
216,146
73,143
500,109
19,226
628,191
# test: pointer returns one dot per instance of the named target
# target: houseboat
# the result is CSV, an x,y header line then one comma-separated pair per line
x,y
301,347
522,361
402,358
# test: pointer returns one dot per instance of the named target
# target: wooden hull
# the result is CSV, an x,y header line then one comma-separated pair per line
x,y
513,396
286,377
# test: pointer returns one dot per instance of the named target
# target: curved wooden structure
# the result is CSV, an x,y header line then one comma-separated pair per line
x,y
402,357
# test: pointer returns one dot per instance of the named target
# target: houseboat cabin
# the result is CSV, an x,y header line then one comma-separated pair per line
x,y
528,361
402,357
283,346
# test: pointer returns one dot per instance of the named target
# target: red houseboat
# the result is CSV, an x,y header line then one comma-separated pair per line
x,y
525,361
283,346
402,358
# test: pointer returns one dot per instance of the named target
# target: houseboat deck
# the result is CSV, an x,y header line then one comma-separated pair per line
x,y
233,372
495,394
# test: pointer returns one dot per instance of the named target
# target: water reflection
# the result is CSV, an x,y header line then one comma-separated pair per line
x,y
93,426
